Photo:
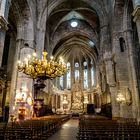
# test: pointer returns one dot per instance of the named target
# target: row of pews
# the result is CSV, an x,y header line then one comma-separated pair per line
x,y
97,128
35,129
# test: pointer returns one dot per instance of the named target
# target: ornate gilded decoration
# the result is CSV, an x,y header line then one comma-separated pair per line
x,y
42,68
77,98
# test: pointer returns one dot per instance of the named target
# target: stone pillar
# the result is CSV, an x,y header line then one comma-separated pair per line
x,y
55,82
97,77
111,83
72,73
133,77
92,97
58,82
56,101
3,28
10,98
100,102
40,37
104,39
53,101
136,14
61,100
4,10
65,81
81,75
20,80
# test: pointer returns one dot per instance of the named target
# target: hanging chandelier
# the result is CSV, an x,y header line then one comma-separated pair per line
x,y
42,68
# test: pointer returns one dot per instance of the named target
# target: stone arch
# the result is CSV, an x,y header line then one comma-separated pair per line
x,y
94,5
127,15
21,13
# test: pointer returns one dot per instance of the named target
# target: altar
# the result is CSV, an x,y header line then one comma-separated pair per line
x,y
72,101
77,105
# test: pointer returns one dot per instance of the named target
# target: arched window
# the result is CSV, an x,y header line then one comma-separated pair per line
x,y
85,76
68,76
77,71
92,75
4,7
122,44
76,74
61,83
76,65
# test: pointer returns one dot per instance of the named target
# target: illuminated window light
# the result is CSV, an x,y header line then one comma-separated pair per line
x,y
74,24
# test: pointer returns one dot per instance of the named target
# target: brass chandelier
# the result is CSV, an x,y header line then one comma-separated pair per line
x,y
42,68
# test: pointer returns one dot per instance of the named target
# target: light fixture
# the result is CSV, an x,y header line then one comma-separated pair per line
x,y
74,23
23,96
42,68
120,98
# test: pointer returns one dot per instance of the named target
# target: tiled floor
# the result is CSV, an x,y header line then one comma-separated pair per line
x,y
67,132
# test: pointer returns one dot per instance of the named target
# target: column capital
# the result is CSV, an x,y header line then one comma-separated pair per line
x,y
3,23
136,13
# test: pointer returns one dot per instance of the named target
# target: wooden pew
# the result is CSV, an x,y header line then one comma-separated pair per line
x,y
35,129
91,128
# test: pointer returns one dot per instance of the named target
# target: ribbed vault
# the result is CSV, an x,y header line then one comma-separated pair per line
x,y
74,43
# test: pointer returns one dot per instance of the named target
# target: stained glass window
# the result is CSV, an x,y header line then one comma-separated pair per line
x,y
76,65
76,74
92,76
76,71
61,83
68,76
85,76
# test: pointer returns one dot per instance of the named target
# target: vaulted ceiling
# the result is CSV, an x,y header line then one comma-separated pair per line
x,y
81,42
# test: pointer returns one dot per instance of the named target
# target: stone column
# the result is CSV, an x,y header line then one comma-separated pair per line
x,y
92,97
53,101
58,82
81,75
20,80
10,97
136,14
111,83
104,39
61,100
97,76
3,28
56,101
4,10
100,102
55,82
72,73
65,81
133,76
89,74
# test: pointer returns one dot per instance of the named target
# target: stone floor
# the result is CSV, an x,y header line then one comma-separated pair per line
x,y
68,131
